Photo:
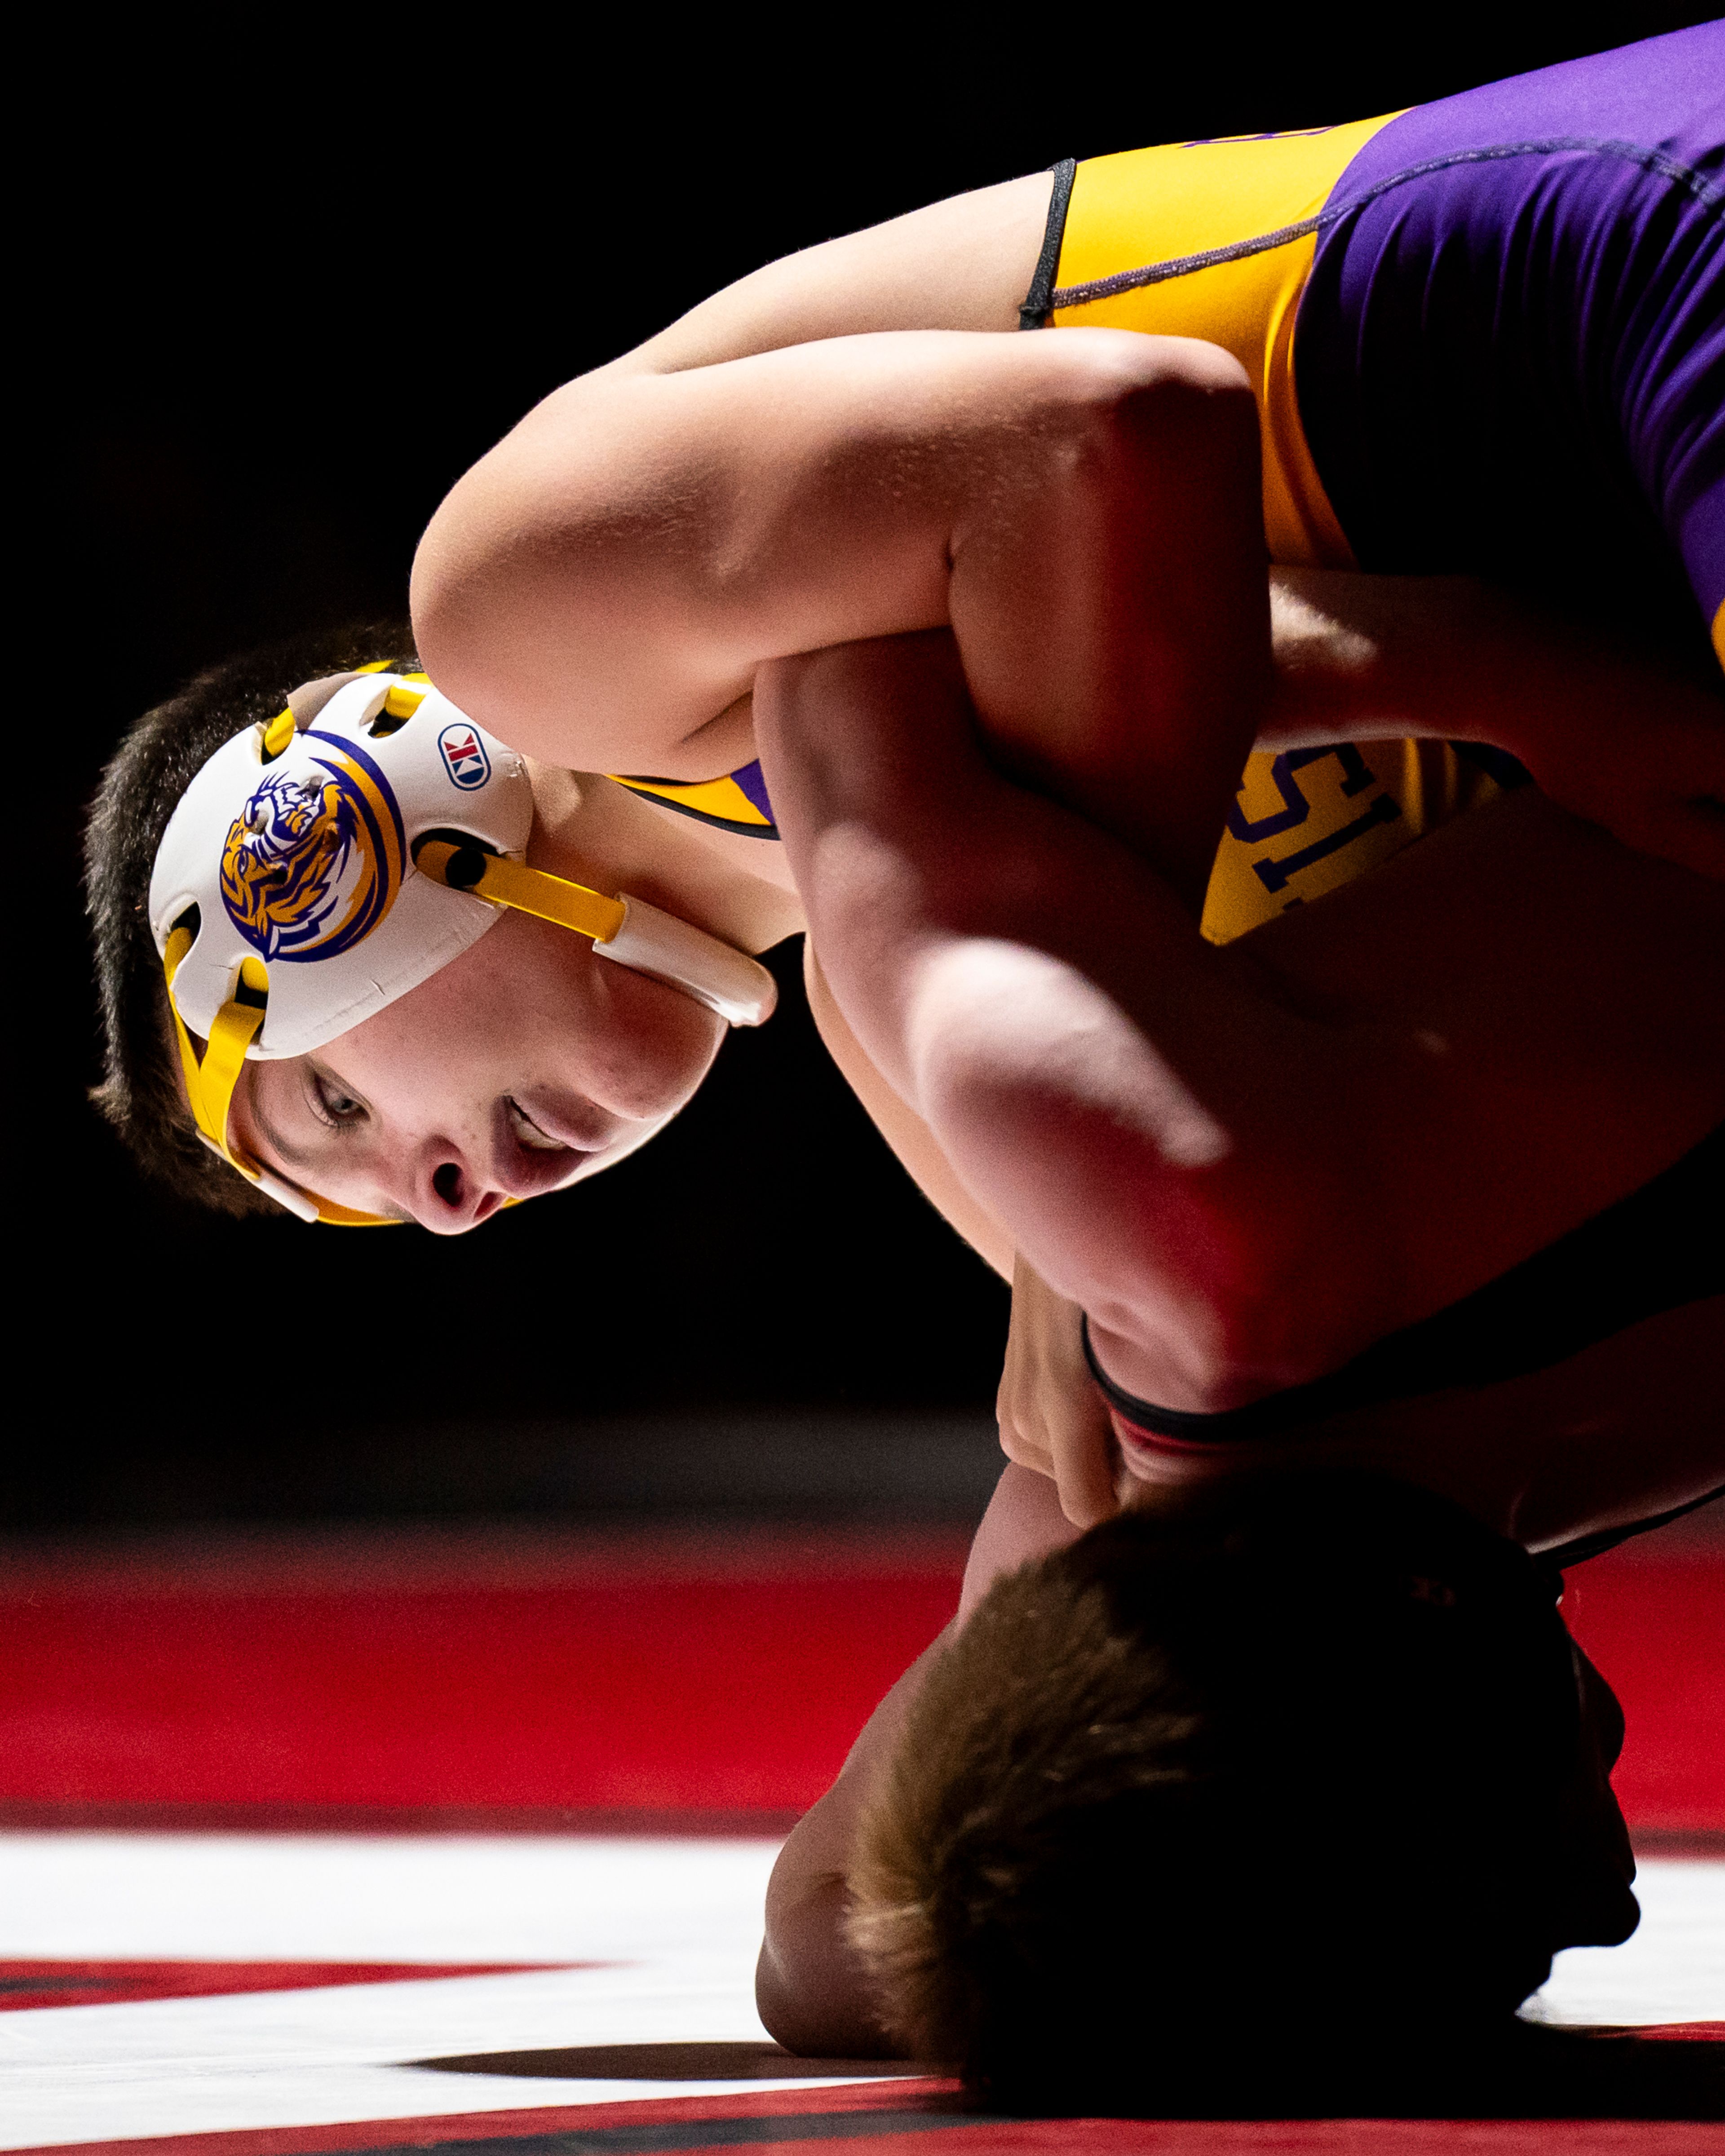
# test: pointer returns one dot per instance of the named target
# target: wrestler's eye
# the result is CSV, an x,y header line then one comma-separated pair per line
x,y
332,1103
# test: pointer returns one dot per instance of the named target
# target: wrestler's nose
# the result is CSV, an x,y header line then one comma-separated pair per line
x,y
444,1194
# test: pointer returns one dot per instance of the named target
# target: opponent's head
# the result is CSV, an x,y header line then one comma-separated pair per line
x,y
312,891
1325,1745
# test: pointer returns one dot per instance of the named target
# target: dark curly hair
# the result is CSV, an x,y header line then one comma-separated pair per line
x,y
139,790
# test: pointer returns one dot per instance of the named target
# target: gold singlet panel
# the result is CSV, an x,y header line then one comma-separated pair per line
x,y
1226,229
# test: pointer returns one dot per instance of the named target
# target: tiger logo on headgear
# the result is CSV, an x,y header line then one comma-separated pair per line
x,y
313,861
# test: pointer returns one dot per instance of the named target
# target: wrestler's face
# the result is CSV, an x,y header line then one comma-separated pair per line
x,y
523,1065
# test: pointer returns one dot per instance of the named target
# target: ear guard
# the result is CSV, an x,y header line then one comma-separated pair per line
x,y
321,866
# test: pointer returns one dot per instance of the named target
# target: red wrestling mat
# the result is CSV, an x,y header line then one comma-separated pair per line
x,y
915,2118
511,1681
69,1983
420,1670
780,2118
1655,1623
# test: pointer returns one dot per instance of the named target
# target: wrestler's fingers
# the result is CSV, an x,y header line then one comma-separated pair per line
x,y
1025,1452
1085,1459
1023,1438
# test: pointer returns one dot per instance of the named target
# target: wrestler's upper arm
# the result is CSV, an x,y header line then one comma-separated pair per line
x,y
810,1988
602,587
903,1129
964,264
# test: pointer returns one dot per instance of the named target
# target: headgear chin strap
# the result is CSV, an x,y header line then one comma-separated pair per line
x,y
739,988
210,1084
320,866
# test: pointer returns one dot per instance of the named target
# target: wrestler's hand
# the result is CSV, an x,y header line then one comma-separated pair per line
x,y
1052,1418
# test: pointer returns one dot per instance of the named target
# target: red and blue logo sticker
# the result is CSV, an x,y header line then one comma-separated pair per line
x,y
464,758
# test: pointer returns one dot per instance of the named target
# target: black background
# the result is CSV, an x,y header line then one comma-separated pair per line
x,y
286,286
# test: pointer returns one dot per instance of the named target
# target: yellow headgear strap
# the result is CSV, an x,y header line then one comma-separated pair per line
x,y
527,891
210,1083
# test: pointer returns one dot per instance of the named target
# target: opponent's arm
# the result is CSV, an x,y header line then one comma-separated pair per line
x,y
995,957
1245,1164
1628,733
1082,511
1050,1416
1355,656
810,1988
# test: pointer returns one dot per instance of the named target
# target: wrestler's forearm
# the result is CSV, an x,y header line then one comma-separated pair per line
x,y
1120,1099
1626,732
1457,659
1114,637
811,1987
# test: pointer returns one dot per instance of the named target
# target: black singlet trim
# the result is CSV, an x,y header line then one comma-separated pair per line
x,y
1657,1249
1038,300
1184,265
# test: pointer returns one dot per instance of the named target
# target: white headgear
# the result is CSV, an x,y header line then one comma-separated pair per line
x,y
319,867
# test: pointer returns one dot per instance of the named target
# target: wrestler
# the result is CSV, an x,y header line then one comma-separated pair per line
x,y
1441,1042
1078,1822
440,1077
1170,1734
1447,1064
831,450
1281,1796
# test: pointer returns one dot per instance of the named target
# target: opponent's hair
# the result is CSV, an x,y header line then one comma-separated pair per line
x,y
140,788
1287,1750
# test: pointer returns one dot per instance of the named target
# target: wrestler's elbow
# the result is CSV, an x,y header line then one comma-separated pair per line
x,y
459,594
1127,373
1121,413
1244,1261
1249,1292
504,608
810,1989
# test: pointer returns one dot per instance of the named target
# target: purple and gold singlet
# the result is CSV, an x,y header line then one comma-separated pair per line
x,y
1486,335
